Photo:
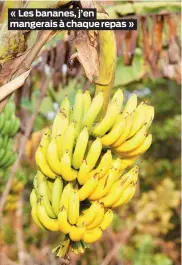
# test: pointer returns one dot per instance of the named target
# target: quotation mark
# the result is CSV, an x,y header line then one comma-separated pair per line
x,y
13,14
131,24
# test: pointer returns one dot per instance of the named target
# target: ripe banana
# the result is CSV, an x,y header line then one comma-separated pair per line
x,y
80,148
64,202
66,107
94,153
56,194
78,110
133,142
69,139
130,106
76,233
88,188
126,196
89,215
98,219
63,224
42,163
107,220
90,236
83,173
142,148
60,124
73,206
68,173
46,221
112,113
86,101
52,157
35,217
93,111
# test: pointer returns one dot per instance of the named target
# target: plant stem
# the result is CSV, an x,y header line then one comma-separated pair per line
x,y
107,67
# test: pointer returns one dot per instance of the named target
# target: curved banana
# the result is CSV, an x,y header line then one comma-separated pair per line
x,y
93,111
43,193
35,217
126,196
42,163
69,139
80,148
89,215
68,173
117,130
52,157
125,133
57,190
46,221
73,206
142,148
149,112
107,220
33,198
63,224
138,119
83,173
60,124
76,233
64,202
98,219
65,107
133,142
94,153
112,113
90,236
86,101
88,188
78,110
130,106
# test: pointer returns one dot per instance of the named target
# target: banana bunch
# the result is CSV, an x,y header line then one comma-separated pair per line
x,y
83,166
17,186
9,125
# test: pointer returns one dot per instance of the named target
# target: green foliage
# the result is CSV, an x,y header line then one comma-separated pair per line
x,y
144,252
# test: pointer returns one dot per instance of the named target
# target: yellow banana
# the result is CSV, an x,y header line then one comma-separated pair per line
x,y
52,157
35,217
73,206
78,110
117,130
63,224
125,133
93,111
90,236
142,148
76,233
94,153
60,124
126,162
107,220
83,173
69,139
130,106
86,101
66,107
126,196
98,192
149,113
56,194
49,223
33,198
112,113
80,148
103,166
119,187
133,142
88,188
42,164
89,215
44,143
64,202
43,193
98,219
68,173
138,119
